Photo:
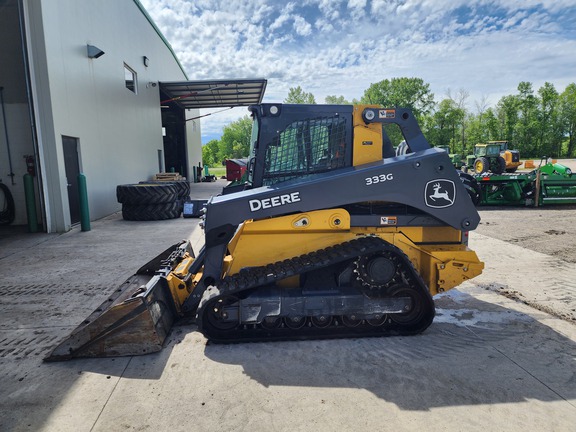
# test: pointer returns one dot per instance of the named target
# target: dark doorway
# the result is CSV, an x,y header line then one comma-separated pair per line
x,y
72,166
175,154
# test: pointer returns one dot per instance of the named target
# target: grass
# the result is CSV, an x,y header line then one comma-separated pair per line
x,y
218,171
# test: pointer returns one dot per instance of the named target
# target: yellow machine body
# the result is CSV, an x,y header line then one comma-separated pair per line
x,y
367,138
437,253
510,163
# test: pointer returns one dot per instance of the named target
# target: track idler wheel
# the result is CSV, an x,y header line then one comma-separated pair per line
x,y
415,313
218,315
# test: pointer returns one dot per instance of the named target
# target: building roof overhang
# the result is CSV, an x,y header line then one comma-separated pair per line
x,y
213,93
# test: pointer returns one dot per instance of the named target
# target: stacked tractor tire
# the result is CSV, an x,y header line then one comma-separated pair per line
x,y
149,201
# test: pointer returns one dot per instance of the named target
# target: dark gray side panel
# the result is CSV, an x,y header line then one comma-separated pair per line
x,y
425,180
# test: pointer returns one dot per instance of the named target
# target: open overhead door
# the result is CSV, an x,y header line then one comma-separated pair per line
x,y
214,94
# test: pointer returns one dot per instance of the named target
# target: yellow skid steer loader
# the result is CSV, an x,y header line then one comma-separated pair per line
x,y
332,235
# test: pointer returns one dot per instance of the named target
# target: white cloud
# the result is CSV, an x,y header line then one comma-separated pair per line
x,y
356,8
279,22
301,26
329,9
331,47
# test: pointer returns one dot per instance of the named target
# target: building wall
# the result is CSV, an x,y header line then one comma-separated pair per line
x,y
119,131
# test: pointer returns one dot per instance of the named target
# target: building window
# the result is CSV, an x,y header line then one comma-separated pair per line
x,y
130,79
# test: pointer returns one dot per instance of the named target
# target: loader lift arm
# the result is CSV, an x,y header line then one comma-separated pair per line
x,y
406,122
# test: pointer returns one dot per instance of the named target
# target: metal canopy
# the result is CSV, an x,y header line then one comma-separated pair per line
x,y
214,94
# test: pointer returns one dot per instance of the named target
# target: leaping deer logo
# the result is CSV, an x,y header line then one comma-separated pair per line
x,y
440,193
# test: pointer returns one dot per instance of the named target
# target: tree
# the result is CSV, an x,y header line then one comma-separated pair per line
x,y
210,152
234,143
459,117
491,123
448,118
527,126
336,100
550,136
568,117
411,93
475,131
235,140
298,96
507,115
481,126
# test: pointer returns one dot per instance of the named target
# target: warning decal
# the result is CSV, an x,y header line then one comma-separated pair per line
x,y
387,113
388,220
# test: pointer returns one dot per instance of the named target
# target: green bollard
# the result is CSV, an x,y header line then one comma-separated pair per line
x,y
31,213
83,198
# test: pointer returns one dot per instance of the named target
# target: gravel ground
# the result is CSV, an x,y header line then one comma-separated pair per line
x,y
549,230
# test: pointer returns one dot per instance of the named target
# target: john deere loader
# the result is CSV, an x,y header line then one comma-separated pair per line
x,y
332,236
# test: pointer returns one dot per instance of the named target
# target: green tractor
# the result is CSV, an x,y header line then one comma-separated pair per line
x,y
456,158
486,158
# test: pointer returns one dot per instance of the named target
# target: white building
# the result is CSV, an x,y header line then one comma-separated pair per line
x,y
91,86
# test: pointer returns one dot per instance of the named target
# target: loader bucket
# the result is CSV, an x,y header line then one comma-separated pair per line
x,y
134,320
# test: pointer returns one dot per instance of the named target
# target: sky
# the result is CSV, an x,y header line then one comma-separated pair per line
x,y
331,47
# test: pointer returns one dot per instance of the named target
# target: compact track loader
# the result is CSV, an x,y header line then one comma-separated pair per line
x,y
333,235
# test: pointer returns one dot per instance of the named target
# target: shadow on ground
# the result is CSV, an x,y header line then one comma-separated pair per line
x,y
474,353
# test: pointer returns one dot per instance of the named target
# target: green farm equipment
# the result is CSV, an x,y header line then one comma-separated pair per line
x,y
550,183
550,168
456,158
486,159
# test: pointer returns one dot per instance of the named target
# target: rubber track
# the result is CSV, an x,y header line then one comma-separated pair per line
x,y
260,276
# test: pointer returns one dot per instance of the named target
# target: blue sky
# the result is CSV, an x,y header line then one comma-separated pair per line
x,y
331,47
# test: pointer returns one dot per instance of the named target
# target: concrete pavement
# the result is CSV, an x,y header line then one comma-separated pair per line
x,y
487,363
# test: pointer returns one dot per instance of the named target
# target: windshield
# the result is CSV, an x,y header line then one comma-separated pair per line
x,y
493,150
306,147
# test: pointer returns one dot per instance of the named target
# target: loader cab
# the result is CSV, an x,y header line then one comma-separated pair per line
x,y
489,150
503,145
294,141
